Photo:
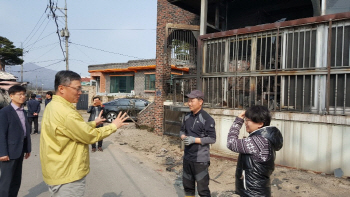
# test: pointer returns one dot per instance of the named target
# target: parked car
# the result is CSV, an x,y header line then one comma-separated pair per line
x,y
131,105
39,98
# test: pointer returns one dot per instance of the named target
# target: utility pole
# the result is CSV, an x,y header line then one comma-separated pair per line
x,y
64,31
22,63
66,35
36,84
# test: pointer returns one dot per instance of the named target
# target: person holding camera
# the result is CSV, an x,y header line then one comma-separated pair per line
x,y
94,111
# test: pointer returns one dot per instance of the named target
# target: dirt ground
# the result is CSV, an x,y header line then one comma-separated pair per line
x,y
164,155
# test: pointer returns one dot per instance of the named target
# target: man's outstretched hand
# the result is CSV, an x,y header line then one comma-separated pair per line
x,y
100,120
119,121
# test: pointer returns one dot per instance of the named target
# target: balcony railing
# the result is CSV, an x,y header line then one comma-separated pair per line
x,y
298,66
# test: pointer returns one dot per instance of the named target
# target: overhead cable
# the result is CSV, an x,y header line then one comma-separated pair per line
x,y
114,29
34,28
43,46
37,40
106,51
41,67
51,6
45,53
40,39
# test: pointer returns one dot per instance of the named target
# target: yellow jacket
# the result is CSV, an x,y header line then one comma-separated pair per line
x,y
64,142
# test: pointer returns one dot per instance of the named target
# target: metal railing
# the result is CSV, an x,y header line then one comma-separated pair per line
x,y
298,66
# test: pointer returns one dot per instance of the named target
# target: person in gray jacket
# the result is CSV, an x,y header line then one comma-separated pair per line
x,y
197,132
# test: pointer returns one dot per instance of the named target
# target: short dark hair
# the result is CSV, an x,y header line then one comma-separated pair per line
x,y
16,88
32,96
96,97
259,114
49,93
64,77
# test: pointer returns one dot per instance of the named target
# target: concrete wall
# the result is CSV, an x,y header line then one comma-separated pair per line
x,y
320,144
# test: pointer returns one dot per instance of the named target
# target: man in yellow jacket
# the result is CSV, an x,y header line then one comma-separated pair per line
x,y
65,138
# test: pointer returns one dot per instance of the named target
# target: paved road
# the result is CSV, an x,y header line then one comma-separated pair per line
x,y
113,173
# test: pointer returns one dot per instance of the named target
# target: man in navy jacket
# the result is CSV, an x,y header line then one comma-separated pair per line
x,y
15,143
33,113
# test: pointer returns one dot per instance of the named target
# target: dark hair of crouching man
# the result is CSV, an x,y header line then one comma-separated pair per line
x,y
197,132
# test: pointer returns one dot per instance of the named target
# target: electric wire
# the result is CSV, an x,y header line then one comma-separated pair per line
x,y
40,40
44,53
43,46
45,61
34,28
106,51
79,61
41,67
51,5
37,40
113,29
84,53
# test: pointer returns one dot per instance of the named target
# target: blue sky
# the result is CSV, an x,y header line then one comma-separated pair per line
x,y
41,44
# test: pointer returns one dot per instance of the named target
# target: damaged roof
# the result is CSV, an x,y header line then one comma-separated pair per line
x,y
6,76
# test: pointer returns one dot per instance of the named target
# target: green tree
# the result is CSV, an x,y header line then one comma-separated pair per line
x,y
9,54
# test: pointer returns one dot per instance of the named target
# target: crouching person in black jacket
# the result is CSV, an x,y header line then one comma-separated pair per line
x,y
94,111
256,160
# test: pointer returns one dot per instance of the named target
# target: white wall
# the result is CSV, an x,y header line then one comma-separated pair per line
x,y
309,144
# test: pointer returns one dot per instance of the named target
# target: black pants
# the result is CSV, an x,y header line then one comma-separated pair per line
x,y
11,177
196,172
35,119
99,144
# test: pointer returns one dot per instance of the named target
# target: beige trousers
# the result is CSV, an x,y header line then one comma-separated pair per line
x,y
73,189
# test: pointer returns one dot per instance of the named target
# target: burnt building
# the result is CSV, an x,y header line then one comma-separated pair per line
x,y
290,56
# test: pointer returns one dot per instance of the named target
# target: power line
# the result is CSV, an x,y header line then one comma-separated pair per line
x,y
34,26
39,35
40,40
105,51
45,53
114,29
47,65
40,47
51,6
41,67
45,61
79,61
84,53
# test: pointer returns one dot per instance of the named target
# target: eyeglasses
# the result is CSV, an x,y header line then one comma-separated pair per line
x,y
77,89
21,95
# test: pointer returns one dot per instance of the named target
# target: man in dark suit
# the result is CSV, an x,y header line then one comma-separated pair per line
x,y
48,97
15,142
33,113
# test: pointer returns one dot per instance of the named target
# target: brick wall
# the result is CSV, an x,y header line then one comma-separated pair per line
x,y
146,116
166,13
